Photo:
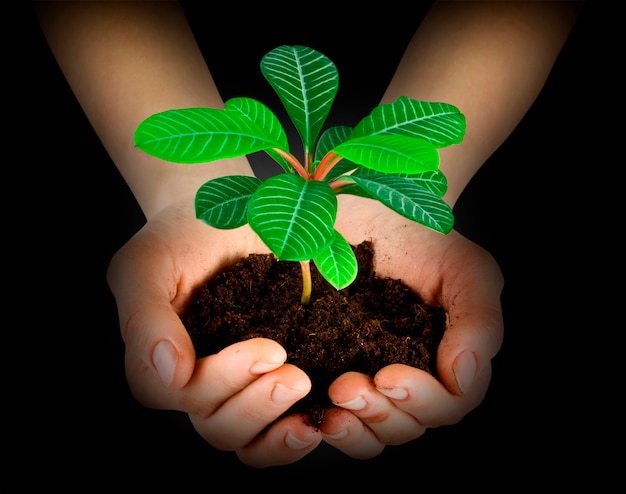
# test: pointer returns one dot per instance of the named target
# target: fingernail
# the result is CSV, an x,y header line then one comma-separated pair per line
x,y
394,393
164,358
294,443
281,394
357,403
464,369
337,435
263,367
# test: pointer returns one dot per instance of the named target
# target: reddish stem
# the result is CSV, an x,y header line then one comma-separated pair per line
x,y
293,161
325,165
336,186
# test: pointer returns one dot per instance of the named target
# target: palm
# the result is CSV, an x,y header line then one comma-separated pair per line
x,y
447,270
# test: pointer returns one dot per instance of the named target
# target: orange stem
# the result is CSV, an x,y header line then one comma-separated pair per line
x,y
294,162
325,165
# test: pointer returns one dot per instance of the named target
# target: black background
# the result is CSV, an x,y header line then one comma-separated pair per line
x,y
542,205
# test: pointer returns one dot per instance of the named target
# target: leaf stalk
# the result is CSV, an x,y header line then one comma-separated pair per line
x,y
293,161
326,164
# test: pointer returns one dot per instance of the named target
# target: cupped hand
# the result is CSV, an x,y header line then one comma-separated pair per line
x,y
234,398
401,402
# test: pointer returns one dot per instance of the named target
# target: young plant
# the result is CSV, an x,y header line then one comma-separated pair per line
x,y
390,156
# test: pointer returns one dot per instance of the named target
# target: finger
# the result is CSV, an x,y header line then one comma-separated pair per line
x,y
475,324
346,432
159,352
420,394
152,277
242,417
219,376
159,355
391,425
286,441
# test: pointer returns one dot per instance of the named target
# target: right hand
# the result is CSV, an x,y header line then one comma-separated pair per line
x,y
231,397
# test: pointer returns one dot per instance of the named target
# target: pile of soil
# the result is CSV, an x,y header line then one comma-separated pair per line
x,y
370,324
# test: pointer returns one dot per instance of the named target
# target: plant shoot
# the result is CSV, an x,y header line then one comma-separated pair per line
x,y
390,156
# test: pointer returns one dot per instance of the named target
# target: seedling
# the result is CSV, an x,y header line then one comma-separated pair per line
x,y
390,156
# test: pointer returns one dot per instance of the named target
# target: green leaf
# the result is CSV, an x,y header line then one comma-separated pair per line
x,y
409,199
337,263
329,139
439,123
294,217
222,202
433,180
199,135
391,153
262,116
306,82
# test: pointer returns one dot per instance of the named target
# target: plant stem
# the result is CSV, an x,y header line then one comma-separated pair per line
x,y
307,285
337,185
325,165
293,161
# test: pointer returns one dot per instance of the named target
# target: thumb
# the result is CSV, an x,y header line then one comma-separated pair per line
x,y
159,355
475,326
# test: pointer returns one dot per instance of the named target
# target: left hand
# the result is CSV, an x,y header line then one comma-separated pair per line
x,y
401,402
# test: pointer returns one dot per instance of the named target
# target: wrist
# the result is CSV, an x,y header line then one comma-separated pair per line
x,y
162,183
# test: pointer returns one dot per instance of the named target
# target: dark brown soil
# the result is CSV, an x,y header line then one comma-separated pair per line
x,y
364,327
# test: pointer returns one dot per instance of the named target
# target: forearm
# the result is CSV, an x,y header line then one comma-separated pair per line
x,y
490,59
125,61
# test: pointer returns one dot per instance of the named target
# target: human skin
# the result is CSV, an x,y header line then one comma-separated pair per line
x,y
127,60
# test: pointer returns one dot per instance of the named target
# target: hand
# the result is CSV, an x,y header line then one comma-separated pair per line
x,y
401,402
153,276
231,397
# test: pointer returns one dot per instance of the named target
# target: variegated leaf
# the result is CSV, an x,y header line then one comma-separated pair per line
x,y
391,153
222,202
409,199
329,139
441,124
294,217
199,135
433,180
262,116
337,263
306,82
